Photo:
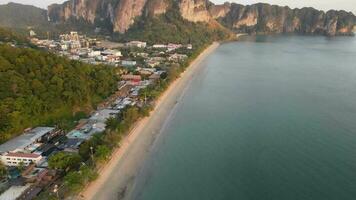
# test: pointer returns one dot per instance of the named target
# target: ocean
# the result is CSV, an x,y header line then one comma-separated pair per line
x,y
266,118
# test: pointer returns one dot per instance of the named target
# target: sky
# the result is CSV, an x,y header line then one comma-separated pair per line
x,y
348,5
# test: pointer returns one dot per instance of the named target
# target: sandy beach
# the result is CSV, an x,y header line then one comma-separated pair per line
x,y
117,176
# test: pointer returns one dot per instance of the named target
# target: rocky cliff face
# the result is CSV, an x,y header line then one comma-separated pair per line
x,y
218,11
257,18
74,9
195,10
265,18
157,7
121,13
125,14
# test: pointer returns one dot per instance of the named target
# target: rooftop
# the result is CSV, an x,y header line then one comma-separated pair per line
x,y
25,139
23,155
14,192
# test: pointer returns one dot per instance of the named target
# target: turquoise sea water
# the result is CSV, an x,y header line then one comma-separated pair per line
x,y
269,118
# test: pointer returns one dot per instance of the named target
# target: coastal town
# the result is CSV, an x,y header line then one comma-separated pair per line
x,y
139,66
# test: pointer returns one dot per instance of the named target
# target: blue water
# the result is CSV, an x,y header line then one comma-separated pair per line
x,y
268,118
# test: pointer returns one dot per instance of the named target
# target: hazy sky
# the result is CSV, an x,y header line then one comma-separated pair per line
x,y
349,5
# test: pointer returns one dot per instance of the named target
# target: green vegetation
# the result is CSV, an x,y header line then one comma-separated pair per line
x,y
39,88
74,181
64,161
3,171
171,27
14,15
96,151
9,36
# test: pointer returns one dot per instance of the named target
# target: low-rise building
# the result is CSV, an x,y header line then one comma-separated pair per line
x,y
110,52
138,44
25,141
159,46
14,159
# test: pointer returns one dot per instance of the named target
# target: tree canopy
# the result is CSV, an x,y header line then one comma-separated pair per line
x,y
64,161
40,88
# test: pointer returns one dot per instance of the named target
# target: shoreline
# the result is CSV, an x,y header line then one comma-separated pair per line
x,y
117,176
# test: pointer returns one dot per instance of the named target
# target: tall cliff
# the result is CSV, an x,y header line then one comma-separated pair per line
x,y
120,13
257,18
265,18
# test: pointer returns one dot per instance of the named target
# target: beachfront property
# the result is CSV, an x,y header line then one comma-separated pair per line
x,y
95,124
138,68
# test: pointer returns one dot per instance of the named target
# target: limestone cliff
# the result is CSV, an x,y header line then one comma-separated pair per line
x,y
121,13
265,18
195,10
74,9
125,14
157,7
218,11
257,18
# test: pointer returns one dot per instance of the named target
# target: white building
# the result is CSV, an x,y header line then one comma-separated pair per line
x,y
14,159
138,44
111,52
159,46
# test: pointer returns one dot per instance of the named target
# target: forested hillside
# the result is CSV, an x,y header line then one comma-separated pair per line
x,y
9,36
171,27
39,88
14,15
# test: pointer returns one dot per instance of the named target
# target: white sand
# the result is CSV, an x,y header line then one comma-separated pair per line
x,y
117,176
